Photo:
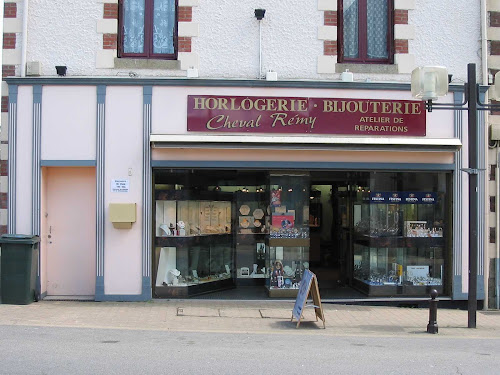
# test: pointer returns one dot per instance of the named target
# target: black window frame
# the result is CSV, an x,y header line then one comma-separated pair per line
x,y
362,32
148,34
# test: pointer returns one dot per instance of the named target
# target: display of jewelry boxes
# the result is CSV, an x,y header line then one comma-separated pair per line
x,y
397,270
193,247
192,218
286,262
287,248
398,247
420,229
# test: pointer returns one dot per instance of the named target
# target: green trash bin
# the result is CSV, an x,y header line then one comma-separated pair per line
x,y
19,268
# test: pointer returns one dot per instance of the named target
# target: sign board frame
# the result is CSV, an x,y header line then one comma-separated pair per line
x,y
308,286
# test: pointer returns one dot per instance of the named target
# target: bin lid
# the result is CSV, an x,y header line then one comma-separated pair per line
x,y
19,238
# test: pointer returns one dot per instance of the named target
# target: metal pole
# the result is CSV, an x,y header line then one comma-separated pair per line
x,y
432,327
473,194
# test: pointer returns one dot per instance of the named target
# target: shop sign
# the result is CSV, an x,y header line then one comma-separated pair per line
x,y
252,114
403,197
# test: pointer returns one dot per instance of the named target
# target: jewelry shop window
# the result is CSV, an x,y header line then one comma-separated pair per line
x,y
401,222
148,29
365,31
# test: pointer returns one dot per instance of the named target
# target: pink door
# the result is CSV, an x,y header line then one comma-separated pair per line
x,y
70,228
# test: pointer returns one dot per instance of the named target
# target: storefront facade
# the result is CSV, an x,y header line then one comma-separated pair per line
x,y
158,188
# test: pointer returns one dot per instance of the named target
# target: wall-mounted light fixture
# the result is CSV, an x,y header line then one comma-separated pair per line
x,y
428,83
259,14
61,70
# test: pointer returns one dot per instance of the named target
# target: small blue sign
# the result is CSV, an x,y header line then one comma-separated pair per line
x,y
395,197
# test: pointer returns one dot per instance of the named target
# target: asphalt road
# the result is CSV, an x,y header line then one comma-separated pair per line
x,y
49,350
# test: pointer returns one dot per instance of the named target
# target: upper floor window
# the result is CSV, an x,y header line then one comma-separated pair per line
x,y
365,31
148,28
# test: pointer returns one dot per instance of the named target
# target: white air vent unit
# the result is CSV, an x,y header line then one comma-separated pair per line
x,y
33,68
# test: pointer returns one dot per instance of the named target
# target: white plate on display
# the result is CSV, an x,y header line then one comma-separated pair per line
x,y
244,223
244,210
257,223
258,213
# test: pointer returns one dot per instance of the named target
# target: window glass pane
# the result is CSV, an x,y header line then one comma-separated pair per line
x,y
351,35
376,28
163,26
133,26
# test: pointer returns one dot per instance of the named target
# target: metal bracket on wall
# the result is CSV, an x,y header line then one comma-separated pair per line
x,y
472,170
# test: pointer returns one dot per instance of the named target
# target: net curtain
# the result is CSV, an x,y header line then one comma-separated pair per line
x,y
163,26
376,28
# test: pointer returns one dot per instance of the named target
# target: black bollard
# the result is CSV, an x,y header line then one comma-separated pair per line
x,y
432,327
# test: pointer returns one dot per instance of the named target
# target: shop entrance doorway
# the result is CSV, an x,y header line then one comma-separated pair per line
x,y
331,231
68,227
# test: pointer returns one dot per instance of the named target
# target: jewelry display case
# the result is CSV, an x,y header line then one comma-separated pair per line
x,y
193,246
252,226
287,247
399,247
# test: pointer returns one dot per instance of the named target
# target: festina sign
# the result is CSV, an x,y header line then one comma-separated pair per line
x,y
252,114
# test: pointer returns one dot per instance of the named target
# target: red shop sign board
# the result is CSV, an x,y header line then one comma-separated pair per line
x,y
254,114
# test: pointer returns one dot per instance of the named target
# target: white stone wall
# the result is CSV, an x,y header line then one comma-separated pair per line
x,y
447,32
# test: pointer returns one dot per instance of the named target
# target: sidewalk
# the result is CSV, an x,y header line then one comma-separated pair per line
x,y
247,317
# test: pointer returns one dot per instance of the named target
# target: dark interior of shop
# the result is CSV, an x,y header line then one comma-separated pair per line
x,y
330,196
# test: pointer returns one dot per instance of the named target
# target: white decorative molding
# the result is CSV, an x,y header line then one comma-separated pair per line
x,y
189,3
326,64
493,5
11,56
188,60
4,181
105,59
4,132
404,4
5,88
108,1
404,31
188,29
107,26
494,119
493,33
405,62
327,32
4,152
3,216
494,62
327,4
12,25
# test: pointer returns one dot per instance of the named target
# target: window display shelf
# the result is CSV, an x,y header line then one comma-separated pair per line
x,y
287,248
390,271
252,227
377,241
193,245
399,243
289,241
192,240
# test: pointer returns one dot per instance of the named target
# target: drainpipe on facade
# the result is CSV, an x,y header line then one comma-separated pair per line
x,y
484,79
260,50
497,233
1,41
25,38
